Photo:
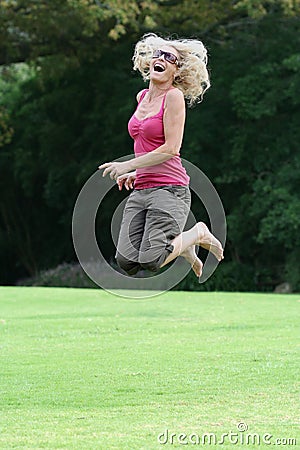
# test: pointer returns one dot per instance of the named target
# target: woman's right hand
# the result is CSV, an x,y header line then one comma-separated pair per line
x,y
126,180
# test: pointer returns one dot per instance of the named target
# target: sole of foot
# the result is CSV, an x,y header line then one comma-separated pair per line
x,y
209,242
191,256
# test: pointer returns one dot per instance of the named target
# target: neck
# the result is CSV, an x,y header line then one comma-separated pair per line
x,y
158,89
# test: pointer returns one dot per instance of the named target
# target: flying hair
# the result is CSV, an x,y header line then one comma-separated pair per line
x,y
192,78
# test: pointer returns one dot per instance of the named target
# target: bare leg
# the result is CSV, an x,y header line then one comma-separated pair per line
x,y
198,235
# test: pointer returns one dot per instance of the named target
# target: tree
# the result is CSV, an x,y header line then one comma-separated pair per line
x,y
69,29
68,111
261,160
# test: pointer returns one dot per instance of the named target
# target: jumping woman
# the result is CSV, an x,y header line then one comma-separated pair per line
x,y
155,214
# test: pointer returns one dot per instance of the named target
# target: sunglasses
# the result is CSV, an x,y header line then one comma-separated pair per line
x,y
169,57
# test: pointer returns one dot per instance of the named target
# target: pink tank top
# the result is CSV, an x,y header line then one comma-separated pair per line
x,y
148,134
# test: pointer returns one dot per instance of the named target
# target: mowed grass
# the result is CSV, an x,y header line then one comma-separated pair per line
x,y
84,369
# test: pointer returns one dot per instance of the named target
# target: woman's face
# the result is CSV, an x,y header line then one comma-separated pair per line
x,y
161,70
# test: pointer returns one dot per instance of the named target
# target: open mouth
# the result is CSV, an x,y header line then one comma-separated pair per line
x,y
158,67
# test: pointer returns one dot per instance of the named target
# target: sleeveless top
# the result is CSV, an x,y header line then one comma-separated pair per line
x,y
148,134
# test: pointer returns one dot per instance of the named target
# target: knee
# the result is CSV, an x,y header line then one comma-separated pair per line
x,y
150,261
152,266
130,267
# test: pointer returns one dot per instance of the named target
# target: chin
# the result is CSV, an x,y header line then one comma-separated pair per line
x,y
155,77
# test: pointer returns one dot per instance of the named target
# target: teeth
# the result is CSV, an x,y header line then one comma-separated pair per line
x,y
159,67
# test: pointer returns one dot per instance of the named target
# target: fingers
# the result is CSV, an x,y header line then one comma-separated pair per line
x,y
104,165
129,183
108,167
120,183
112,171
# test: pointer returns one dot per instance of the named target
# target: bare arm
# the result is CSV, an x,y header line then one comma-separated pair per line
x,y
174,119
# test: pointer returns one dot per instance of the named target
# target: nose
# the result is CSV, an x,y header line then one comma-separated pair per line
x,y
161,57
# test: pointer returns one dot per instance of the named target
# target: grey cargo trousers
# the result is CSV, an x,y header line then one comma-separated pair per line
x,y
152,218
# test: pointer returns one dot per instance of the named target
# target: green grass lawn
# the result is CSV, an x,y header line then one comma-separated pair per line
x,y
83,369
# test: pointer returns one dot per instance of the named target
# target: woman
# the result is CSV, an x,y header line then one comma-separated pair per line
x,y
156,211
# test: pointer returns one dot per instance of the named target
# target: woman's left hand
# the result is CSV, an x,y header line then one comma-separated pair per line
x,y
115,169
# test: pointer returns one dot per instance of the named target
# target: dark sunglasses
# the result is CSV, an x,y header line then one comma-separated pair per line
x,y
170,57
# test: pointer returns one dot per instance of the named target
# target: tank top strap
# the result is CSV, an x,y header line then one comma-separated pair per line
x,y
143,95
163,102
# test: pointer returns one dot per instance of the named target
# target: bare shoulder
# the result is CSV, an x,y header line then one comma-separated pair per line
x,y
175,98
138,95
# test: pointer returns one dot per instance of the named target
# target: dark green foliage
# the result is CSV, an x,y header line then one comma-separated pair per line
x,y
245,136
64,275
261,165
63,129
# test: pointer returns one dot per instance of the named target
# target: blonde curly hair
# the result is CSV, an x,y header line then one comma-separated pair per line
x,y
192,78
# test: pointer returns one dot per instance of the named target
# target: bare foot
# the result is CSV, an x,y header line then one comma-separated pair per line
x,y
208,241
190,255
